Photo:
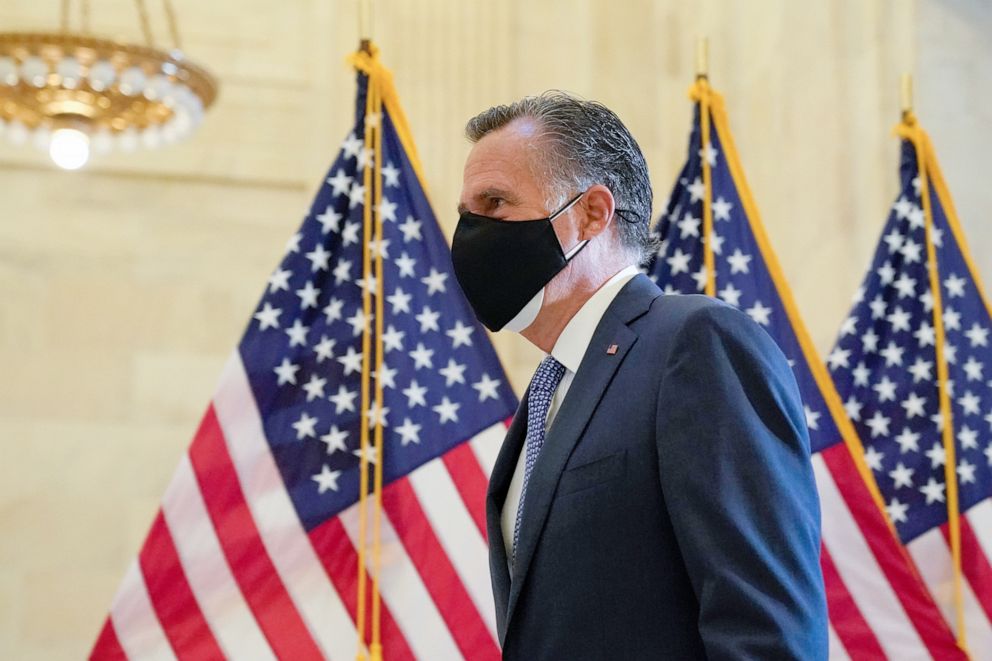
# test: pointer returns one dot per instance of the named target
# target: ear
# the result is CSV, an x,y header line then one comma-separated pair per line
x,y
599,206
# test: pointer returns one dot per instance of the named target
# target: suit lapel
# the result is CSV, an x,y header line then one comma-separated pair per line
x,y
596,370
499,483
594,375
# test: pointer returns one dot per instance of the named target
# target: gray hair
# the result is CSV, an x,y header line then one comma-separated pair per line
x,y
583,143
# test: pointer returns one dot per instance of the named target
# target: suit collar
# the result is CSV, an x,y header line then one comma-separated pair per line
x,y
575,337
635,298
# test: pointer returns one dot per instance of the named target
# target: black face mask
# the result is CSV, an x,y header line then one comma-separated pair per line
x,y
502,264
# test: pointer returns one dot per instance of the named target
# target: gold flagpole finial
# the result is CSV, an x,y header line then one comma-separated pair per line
x,y
702,58
906,88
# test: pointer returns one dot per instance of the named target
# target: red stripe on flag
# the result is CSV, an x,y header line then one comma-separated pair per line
x,y
340,561
974,564
107,647
440,578
470,480
891,556
250,563
170,594
858,638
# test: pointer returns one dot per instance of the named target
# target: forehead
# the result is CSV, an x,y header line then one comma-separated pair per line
x,y
503,159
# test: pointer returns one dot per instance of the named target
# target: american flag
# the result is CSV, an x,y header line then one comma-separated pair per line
x,y
878,607
886,366
253,554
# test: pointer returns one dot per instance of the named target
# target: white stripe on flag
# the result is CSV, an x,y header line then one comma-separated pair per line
x,y
837,651
486,446
404,593
458,534
932,555
207,571
278,524
980,518
138,629
861,574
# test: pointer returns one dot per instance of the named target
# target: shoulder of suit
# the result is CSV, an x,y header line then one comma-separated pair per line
x,y
677,310
673,315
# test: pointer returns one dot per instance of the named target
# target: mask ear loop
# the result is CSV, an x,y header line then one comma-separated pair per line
x,y
574,250
568,205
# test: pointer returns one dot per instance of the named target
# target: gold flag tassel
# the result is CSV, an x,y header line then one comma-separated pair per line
x,y
909,129
381,95
700,92
366,60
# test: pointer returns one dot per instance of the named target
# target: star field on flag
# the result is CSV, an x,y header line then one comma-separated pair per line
x,y
303,353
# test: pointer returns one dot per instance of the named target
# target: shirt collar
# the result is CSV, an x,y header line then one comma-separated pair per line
x,y
575,337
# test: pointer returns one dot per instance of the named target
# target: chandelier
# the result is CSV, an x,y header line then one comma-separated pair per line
x,y
69,91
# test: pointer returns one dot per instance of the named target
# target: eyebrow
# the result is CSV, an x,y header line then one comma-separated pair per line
x,y
487,193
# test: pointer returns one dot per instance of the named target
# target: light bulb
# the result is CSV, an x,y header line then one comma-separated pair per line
x,y
70,70
69,149
132,81
102,74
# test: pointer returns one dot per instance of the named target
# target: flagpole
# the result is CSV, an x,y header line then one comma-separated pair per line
x,y
365,47
363,463
702,58
379,418
910,129
906,95
365,24
703,92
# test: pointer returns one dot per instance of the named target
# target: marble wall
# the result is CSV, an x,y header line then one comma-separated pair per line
x,y
125,285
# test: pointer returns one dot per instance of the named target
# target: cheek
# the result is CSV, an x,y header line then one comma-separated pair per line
x,y
567,231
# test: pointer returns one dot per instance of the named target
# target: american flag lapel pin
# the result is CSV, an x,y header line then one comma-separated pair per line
x,y
612,349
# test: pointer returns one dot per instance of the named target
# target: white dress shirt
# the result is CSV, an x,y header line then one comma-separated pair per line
x,y
568,350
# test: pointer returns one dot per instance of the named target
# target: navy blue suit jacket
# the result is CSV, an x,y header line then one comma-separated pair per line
x,y
672,513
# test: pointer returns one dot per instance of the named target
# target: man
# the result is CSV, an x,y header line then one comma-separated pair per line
x,y
654,497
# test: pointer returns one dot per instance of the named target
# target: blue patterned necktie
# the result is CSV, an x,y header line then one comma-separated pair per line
x,y
542,389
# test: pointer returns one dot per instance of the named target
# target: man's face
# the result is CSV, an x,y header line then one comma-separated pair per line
x,y
505,179
500,180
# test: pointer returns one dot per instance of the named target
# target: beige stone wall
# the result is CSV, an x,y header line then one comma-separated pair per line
x,y
124,286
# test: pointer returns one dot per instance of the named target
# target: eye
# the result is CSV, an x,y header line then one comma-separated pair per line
x,y
496,203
